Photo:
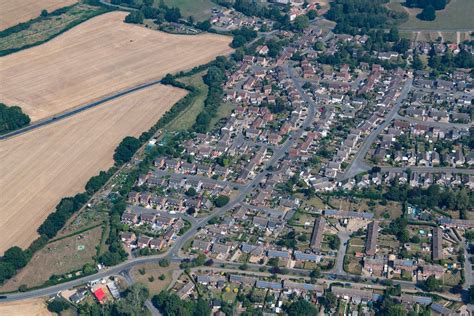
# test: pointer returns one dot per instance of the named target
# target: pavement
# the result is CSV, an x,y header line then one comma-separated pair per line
x,y
358,164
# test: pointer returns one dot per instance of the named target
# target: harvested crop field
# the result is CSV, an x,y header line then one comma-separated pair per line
x,y
96,59
38,168
32,307
18,11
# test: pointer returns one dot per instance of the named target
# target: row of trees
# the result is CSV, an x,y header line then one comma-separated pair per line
x,y
148,11
214,78
360,16
12,118
169,304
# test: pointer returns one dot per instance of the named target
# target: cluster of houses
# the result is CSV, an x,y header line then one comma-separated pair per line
x,y
282,290
405,144
144,221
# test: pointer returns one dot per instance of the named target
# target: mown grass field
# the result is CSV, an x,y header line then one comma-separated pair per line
x,y
198,9
457,15
188,117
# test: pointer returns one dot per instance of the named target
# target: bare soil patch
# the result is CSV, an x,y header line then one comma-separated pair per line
x,y
40,167
18,11
95,59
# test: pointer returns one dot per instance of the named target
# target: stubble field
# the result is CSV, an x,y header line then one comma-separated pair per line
x,y
40,167
96,59
18,11
31,307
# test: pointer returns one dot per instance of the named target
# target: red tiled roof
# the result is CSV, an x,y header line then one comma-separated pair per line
x,y
99,294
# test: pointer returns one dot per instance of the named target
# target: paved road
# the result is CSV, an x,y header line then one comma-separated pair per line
x,y
69,113
162,173
468,273
429,169
358,165
339,267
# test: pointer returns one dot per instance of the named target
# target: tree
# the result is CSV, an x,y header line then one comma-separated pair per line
x,y
191,192
57,306
221,200
301,307
312,14
301,22
6,271
172,15
318,46
164,263
402,46
315,273
135,17
16,257
396,310
439,4
428,14
418,63
12,118
126,149
44,13
204,25
431,284
134,301
328,300
470,295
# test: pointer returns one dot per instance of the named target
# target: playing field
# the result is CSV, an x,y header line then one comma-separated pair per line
x,y
456,16
95,59
17,11
40,167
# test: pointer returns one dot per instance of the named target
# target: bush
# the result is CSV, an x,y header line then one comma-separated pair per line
x,y
221,200
57,306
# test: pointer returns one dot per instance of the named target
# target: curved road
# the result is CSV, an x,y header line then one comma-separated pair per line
x,y
358,165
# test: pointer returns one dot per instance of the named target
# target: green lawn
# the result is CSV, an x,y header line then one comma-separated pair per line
x,y
224,110
187,118
457,15
199,9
